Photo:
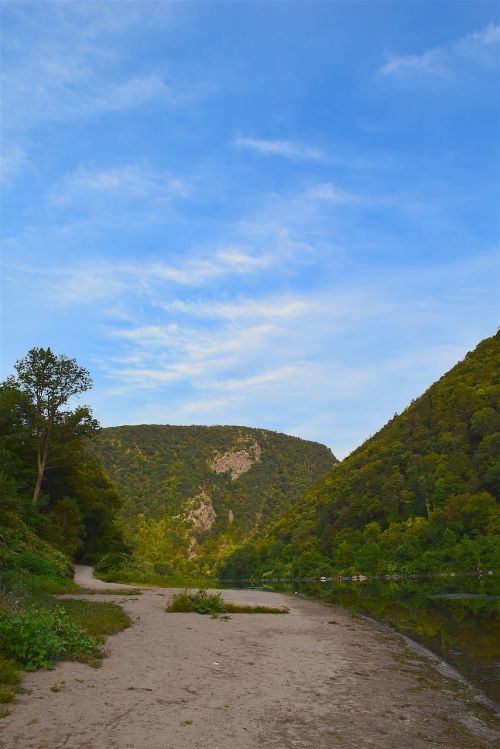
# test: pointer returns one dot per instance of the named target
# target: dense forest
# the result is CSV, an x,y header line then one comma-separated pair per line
x,y
192,493
419,496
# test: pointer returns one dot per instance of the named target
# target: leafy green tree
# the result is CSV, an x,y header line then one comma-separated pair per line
x,y
45,383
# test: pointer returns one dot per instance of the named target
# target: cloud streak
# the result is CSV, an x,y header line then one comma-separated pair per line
x,y
480,48
126,182
286,148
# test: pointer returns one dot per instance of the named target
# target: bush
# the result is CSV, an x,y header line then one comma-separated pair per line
x,y
34,564
202,602
35,638
113,561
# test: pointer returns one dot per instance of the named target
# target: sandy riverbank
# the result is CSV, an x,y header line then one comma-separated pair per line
x,y
317,677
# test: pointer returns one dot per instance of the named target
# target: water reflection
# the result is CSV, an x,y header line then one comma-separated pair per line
x,y
457,618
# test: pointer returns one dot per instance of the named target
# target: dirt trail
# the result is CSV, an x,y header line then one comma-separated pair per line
x,y
317,678
84,576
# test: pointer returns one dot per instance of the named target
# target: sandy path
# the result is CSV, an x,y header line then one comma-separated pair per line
x,y
84,577
317,677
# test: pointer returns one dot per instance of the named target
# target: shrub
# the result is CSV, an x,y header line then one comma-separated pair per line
x,y
35,638
7,694
34,564
113,561
203,602
9,673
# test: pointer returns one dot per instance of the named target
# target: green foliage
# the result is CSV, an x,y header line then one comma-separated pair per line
x,y
113,561
35,638
43,445
7,694
178,513
9,672
203,602
45,383
420,496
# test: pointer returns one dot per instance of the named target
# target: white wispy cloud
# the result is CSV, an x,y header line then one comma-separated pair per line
x,y
272,377
64,62
128,181
330,193
97,281
244,308
287,148
479,48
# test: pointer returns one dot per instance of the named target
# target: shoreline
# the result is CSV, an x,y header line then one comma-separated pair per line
x,y
318,677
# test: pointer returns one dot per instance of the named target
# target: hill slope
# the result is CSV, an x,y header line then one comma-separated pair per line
x,y
193,492
420,495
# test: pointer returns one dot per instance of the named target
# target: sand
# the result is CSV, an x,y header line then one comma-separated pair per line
x,y
316,677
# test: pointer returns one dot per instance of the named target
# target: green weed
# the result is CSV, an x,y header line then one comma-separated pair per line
x,y
9,672
203,602
7,694
35,638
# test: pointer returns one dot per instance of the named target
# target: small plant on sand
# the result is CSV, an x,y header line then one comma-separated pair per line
x,y
203,602
7,694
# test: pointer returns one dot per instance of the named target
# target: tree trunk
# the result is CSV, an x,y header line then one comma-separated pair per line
x,y
38,486
41,460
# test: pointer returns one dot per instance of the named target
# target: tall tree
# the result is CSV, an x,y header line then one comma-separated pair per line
x,y
46,383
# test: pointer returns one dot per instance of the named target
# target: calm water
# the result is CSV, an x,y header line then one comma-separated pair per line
x,y
458,618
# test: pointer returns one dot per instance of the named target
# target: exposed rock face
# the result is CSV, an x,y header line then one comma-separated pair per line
x,y
238,461
200,514
230,517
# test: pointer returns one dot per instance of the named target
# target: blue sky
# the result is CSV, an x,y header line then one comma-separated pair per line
x,y
283,215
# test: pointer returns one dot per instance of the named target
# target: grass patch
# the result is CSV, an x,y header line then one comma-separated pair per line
x,y
203,602
155,580
97,618
7,694
9,673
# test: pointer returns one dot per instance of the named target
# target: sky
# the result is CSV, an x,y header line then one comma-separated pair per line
x,y
273,214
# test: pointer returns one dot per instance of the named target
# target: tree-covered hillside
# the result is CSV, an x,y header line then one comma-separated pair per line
x,y
421,495
193,492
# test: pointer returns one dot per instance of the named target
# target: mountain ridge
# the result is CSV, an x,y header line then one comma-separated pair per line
x,y
204,488
418,496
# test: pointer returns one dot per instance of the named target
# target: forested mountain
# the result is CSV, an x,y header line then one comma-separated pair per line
x,y
421,495
191,493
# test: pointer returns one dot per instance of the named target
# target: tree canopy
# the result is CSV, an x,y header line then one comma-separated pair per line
x,y
43,385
